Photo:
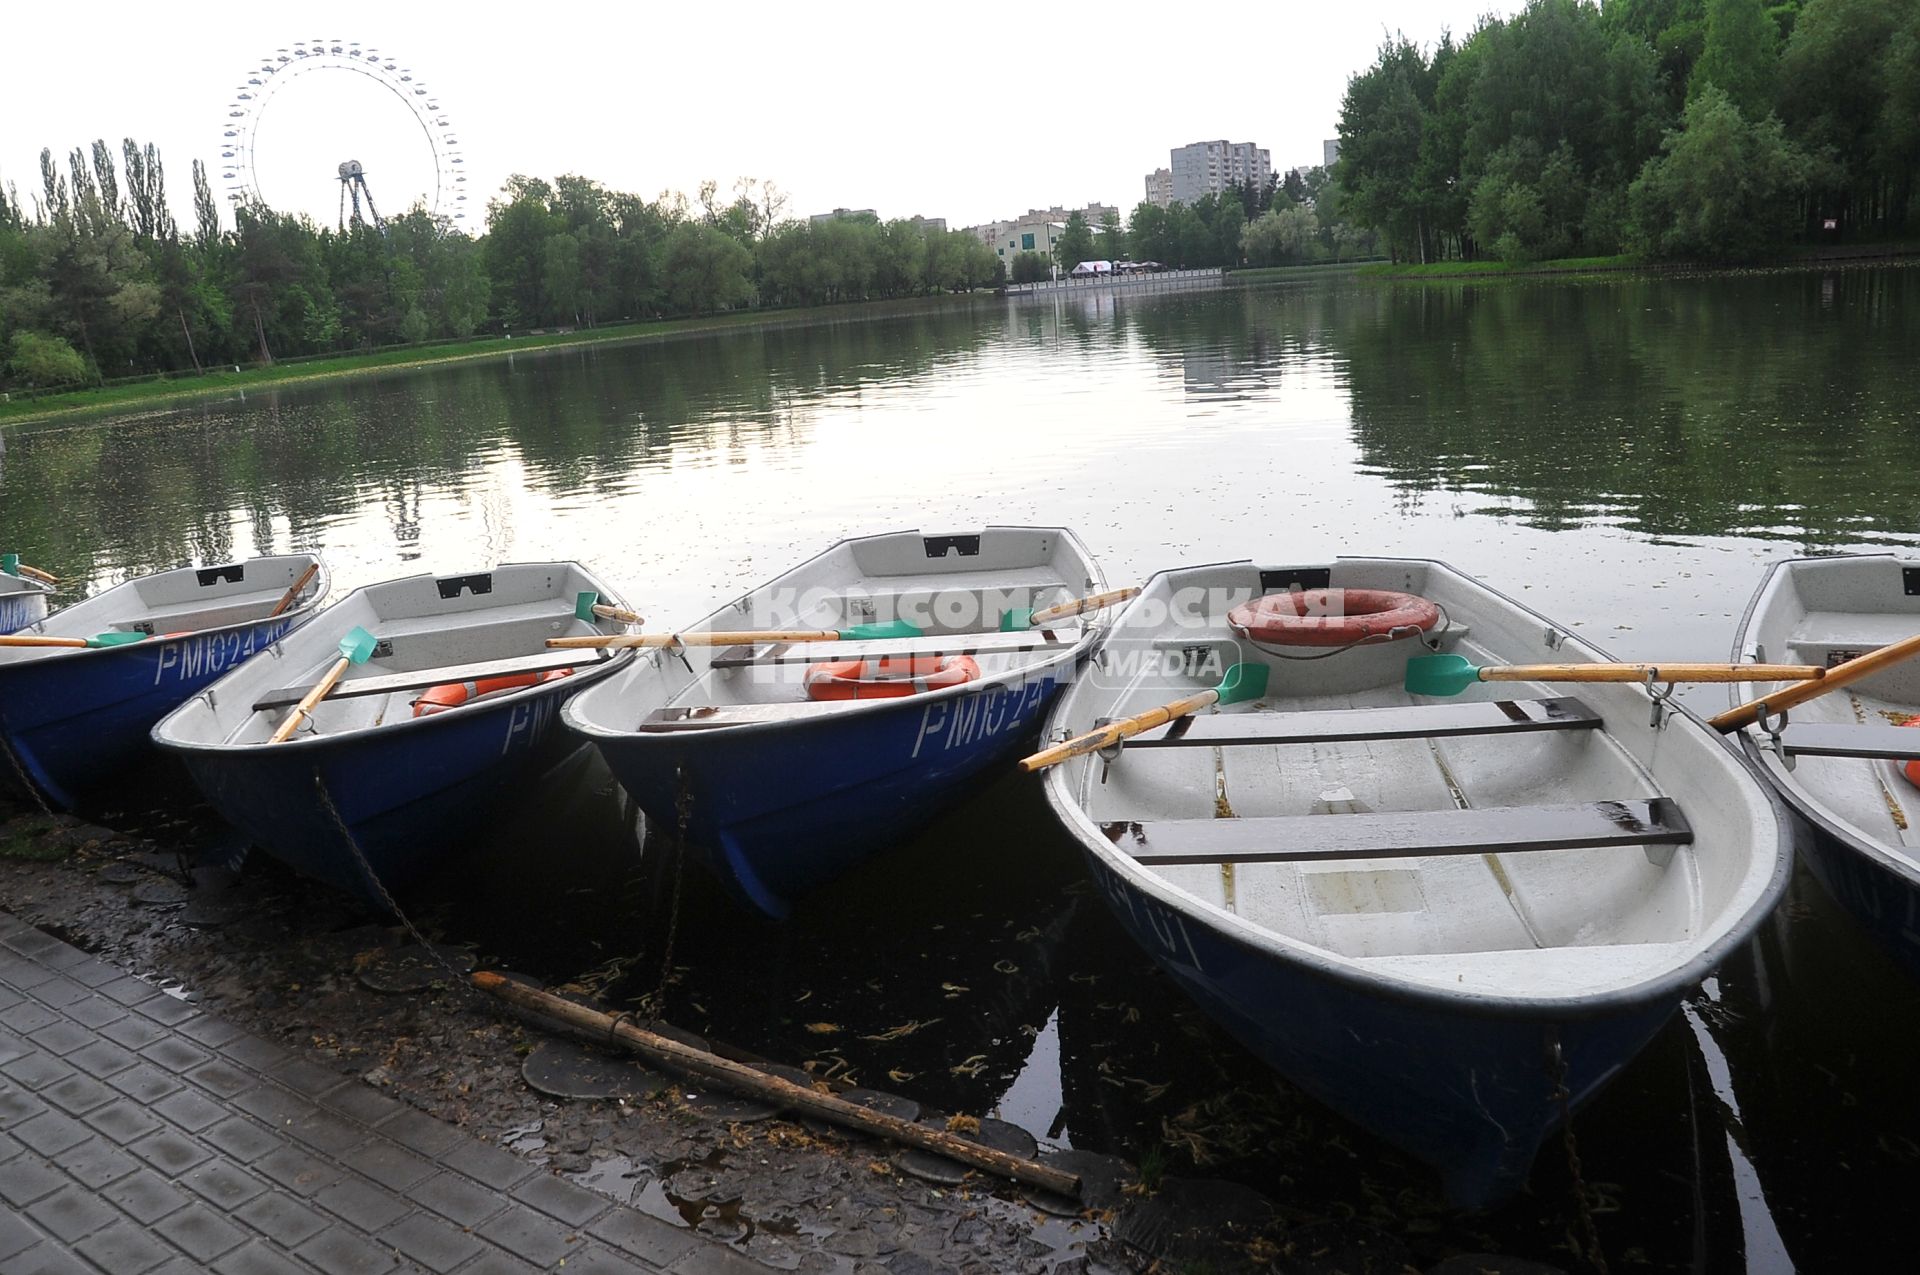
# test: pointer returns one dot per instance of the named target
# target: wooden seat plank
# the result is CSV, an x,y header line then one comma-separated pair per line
x,y
420,679
1884,743
1638,821
1400,721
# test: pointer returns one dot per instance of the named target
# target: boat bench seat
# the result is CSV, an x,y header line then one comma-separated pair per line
x,y
189,617
379,683
1823,633
1887,743
930,644
1637,821
1399,721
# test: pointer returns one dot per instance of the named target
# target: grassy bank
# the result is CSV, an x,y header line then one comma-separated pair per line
x,y
1480,269
185,386
1790,257
1275,274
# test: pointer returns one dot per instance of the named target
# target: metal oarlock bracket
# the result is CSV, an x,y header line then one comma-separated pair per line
x,y
1108,754
1554,638
1661,698
1773,727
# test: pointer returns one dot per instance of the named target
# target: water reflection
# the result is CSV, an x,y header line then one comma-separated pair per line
x,y
1623,455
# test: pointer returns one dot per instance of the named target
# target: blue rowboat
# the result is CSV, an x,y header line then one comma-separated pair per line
x,y
1841,761
455,712
73,720
1453,921
782,792
23,601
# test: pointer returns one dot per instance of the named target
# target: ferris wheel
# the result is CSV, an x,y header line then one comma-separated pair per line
x,y
446,196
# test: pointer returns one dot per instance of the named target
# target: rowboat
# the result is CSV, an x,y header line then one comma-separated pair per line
x,y
782,786
1452,921
72,719
1843,761
23,601
452,714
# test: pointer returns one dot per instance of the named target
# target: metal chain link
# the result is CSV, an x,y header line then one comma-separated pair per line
x,y
20,770
1557,1072
655,1002
458,977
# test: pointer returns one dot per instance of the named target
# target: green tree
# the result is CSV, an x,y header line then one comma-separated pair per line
x,y
39,360
1030,267
706,269
1723,186
1075,244
1739,57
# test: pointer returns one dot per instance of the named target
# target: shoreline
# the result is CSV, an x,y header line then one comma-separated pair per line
x,y
1888,254
186,386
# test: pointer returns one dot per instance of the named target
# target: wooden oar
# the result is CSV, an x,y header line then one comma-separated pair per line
x,y
355,648
587,605
286,599
1800,692
647,641
11,564
92,643
1452,674
774,1089
1242,682
1018,619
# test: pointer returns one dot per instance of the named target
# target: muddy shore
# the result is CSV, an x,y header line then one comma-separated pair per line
x,y
289,960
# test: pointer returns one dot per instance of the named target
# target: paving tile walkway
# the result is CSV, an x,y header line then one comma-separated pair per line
x,y
139,1134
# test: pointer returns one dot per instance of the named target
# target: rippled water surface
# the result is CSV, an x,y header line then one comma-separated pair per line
x,y
1625,456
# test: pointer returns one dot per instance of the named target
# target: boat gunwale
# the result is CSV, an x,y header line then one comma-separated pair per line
x,y
858,709
1269,944
1796,795
323,580
300,744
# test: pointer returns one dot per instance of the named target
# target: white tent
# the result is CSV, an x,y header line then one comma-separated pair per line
x,y
1093,267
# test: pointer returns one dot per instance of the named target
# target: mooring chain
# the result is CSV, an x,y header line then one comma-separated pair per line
x,y
1557,1072
683,812
457,977
20,770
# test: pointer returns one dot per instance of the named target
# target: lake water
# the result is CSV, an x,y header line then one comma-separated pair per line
x,y
1625,456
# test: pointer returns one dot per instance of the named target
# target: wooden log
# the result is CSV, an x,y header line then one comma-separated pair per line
x,y
1113,732
286,599
618,613
28,639
35,573
744,1079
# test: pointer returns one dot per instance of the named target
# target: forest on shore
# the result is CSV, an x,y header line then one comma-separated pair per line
x,y
1688,129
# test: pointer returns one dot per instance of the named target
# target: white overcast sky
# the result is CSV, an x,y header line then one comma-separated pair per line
x,y
897,107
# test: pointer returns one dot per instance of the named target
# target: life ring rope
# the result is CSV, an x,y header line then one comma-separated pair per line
x,y
438,699
888,676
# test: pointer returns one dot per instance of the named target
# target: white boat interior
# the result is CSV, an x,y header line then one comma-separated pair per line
x,y
430,631
184,600
953,587
1340,819
1843,755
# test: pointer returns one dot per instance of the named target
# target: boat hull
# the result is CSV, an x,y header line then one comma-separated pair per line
x,y
20,608
780,810
407,794
75,723
1472,1094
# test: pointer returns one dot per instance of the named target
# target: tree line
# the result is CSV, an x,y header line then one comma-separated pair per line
x,y
1674,128
98,282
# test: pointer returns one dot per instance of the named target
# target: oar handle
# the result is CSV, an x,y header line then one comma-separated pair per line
x,y
1658,672
35,573
1113,732
1800,692
1080,606
618,613
320,691
17,639
286,599
647,641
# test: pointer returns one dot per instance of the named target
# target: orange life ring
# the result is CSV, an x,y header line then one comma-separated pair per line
x,y
438,699
888,677
1332,617
1912,769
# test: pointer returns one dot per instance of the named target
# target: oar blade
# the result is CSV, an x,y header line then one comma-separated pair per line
x,y
357,646
583,605
10,563
1440,675
1018,620
116,639
889,629
1243,682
